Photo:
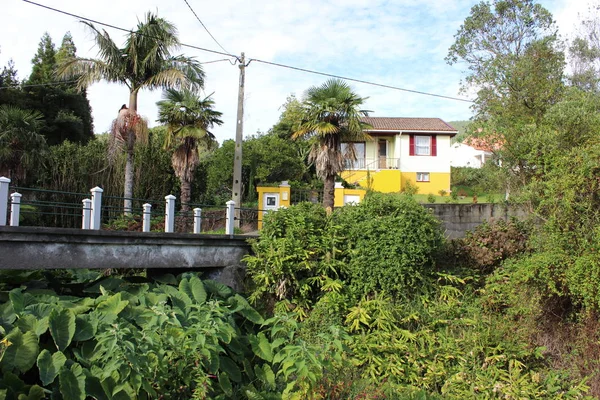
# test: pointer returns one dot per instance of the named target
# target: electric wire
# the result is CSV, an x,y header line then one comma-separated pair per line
x,y
360,81
123,29
204,26
263,61
37,85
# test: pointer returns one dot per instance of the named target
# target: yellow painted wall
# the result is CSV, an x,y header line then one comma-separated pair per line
x,y
437,181
284,198
338,199
386,181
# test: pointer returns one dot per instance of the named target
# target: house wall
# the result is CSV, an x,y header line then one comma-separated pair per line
x,y
437,181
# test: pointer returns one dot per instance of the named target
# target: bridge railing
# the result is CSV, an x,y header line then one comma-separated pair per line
x,y
42,207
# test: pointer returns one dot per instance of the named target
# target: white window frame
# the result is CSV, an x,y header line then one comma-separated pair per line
x,y
420,148
423,177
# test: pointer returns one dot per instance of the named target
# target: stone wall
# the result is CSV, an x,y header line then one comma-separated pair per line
x,y
457,219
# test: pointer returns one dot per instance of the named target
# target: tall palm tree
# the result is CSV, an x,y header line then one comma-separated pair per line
x,y
188,119
146,62
330,116
21,144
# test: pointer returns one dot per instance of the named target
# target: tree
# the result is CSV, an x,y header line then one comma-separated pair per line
x,y
584,52
44,62
511,50
21,146
188,119
330,116
145,62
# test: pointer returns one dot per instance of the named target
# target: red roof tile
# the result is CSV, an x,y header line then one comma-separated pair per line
x,y
408,124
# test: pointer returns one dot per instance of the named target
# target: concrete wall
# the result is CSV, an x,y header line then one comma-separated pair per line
x,y
457,219
49,248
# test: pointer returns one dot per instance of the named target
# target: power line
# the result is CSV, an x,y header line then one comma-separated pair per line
x,y
122,29
37,84
204,26
360,81
263,61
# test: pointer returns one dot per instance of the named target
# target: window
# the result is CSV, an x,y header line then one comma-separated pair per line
x,y
422,145
359,151
422,176
271,201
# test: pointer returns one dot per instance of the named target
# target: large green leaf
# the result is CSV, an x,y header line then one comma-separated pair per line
x,y
72,382
225,384
21,352
227,365
30,323
86,326
17,298
261,346
62,327
35,393
218,288
49,365
109,309
194,288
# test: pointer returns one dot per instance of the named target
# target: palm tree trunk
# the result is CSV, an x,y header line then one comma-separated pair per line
x,y
128,187
186,194
328,192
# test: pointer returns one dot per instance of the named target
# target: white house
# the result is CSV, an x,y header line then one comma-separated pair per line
x,y
462,155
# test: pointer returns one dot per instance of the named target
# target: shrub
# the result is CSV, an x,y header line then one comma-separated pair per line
x,y
490,243
296,257
431,198
410,188
442,192
389,246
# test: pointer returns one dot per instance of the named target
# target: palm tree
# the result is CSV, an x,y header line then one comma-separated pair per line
x,y
188,119
146,62
330,116
21,144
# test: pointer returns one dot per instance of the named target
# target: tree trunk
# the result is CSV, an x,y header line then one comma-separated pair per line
x,y
328,192
128,187
186,194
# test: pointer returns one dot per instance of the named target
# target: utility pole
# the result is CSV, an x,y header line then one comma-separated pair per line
x,y
239,136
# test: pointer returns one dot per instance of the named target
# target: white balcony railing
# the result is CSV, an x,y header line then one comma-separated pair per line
x,y
373,164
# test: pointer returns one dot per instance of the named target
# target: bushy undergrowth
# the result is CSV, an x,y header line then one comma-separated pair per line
x,y
413,329
84,336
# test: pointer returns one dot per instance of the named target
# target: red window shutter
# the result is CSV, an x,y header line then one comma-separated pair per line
x,y
433,145
411,146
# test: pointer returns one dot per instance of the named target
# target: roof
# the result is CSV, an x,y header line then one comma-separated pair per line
x,y
408,124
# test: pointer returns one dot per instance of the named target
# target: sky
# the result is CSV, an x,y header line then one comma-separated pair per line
x,y
400,43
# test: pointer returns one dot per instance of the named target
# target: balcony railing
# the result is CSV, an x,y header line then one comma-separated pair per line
x,y
373,164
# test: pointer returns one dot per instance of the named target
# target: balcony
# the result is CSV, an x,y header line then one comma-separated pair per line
x,y
373,164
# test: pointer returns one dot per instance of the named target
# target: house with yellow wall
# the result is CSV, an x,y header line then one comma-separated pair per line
x,y
402,150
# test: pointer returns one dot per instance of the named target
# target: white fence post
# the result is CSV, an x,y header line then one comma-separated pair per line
x,y
96,208
147,214
15,208
230,217
4,182
197,220
86,215
170,213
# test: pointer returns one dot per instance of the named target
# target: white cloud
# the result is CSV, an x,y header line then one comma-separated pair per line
x,y
399,43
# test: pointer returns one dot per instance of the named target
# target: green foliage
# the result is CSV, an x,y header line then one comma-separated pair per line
x,y
296,258
410,188
184,339
431,198
389,246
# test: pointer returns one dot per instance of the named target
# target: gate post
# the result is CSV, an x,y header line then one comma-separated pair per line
x,y
87,211
230,217
197,220
15,208
147,214
170,213
4,182
96,217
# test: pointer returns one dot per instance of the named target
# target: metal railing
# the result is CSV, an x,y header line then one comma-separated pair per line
x,y
373,163
41,207
306,195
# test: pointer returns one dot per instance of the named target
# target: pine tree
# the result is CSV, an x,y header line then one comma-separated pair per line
x,y
44,62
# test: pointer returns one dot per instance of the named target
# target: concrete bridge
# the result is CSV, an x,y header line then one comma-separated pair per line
x,y
52,248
